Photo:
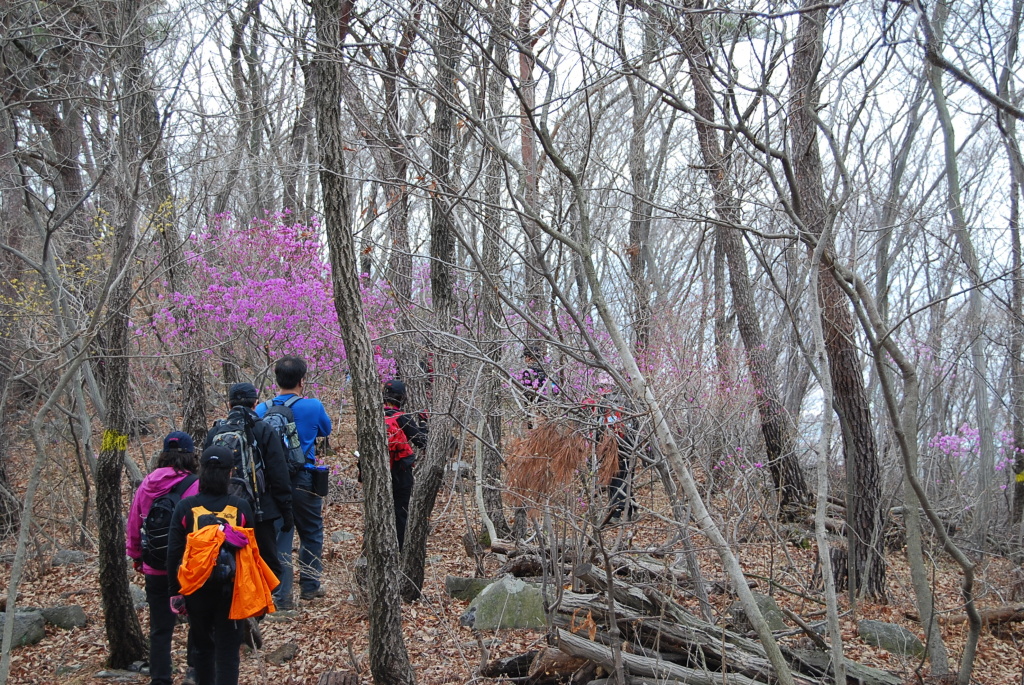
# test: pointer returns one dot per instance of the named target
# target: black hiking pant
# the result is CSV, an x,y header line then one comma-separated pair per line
x,y
401,490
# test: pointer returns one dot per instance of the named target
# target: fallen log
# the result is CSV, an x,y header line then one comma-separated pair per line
x,y
575,645
509,667
553,665
1010,613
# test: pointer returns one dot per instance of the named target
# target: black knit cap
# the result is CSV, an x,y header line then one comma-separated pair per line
x,y
394,390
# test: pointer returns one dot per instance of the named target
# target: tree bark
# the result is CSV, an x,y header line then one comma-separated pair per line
x,y
864,516
389,660
445,409
794,494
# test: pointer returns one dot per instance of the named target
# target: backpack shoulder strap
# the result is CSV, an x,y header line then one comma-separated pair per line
x,y
182,485
290,401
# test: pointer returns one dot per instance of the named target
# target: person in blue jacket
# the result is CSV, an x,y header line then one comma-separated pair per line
x,y
311,422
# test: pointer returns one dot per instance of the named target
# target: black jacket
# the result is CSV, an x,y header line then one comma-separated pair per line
x,y
415,430
278,496
181,526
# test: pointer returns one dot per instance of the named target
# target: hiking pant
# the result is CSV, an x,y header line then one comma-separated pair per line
x,y
266,541
216,639
307,509
161,629
401,490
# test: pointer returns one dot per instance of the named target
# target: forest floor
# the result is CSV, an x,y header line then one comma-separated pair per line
x,y
331,633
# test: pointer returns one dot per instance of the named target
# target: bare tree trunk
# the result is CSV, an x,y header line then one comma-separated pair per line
x,y
493,238
794,494
124,632
445,410
535,269
864,484
979,360
1008,127
389,660
192,365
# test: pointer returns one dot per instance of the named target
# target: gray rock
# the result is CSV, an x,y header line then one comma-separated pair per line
x,y
506,603
29,627
890,637
285,652
773,616
66,617
342,536
465,588
69,557
462,468
138,596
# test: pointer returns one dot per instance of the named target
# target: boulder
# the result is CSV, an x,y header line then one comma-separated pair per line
x,y
29,627
506,603
285,652
773,616
69,557
890,637
342,536
465,588
138,596
66,617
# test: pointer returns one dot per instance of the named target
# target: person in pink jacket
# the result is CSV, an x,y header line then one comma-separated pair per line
x,y
176,463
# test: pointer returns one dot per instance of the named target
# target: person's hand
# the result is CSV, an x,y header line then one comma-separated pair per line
x,y
178,605
287,521
137,565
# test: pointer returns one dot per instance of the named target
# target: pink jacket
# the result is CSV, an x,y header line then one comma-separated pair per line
x,y
156,484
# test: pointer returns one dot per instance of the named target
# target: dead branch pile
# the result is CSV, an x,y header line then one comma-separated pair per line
x,y
656,640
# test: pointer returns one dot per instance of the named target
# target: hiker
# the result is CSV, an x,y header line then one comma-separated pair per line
x,y
311,422
210,547
275,502
405,432
614,420
173,479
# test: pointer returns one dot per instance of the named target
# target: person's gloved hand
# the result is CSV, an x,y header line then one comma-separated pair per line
x,y
178,606
137,565
287,521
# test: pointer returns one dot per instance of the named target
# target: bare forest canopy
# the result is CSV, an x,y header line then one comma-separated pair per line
x,y
777,242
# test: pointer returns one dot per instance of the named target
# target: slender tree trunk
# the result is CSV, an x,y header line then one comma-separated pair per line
x,y
192,365
535,268
794,494
445,408
389,660
864,518
493,239
979,360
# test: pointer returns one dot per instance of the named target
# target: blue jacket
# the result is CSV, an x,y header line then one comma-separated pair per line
x,y
311,421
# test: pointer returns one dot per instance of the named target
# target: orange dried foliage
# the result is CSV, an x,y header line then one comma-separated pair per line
x,y
553,454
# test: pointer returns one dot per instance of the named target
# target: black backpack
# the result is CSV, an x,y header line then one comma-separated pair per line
x,y
157,525
248,480
281,418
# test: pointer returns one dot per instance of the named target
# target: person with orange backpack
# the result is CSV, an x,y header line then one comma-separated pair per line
x,y
405,432
203,580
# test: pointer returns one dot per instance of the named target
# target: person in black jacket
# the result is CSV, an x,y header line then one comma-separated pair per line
x,y
276,501
216,639
415,430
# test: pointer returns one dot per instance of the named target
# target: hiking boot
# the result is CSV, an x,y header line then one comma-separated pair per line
x,y
251,634
309,595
